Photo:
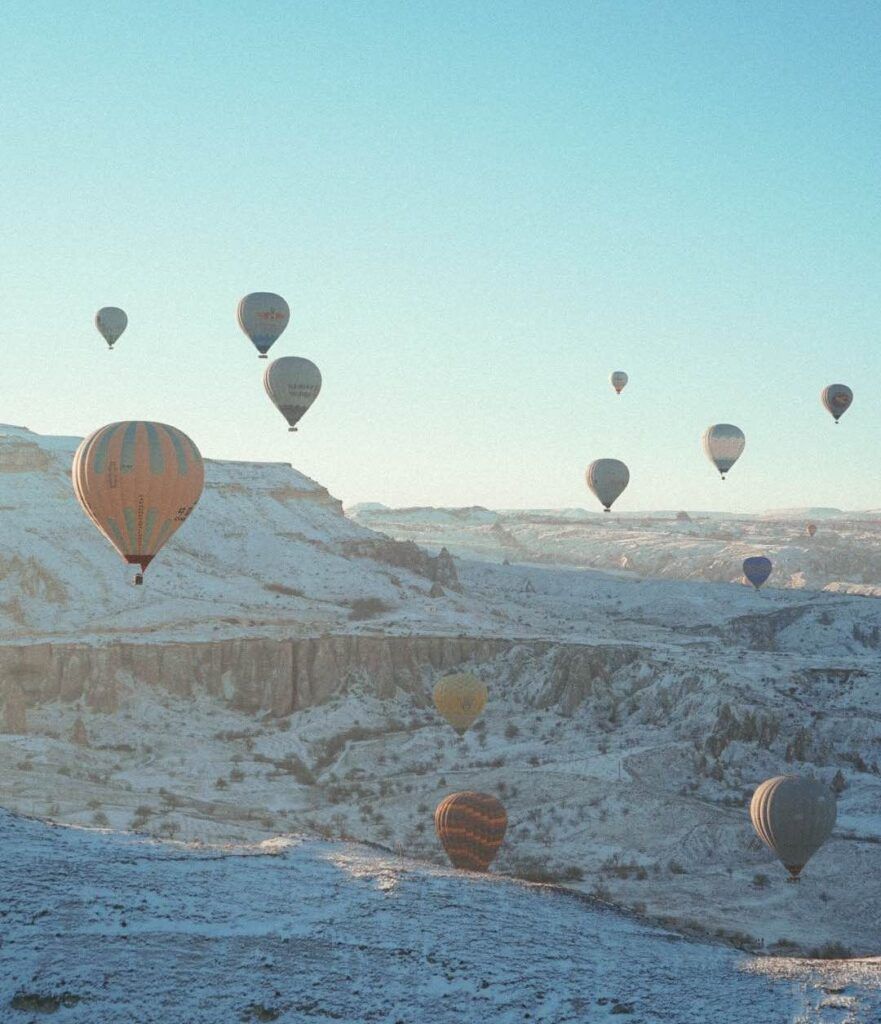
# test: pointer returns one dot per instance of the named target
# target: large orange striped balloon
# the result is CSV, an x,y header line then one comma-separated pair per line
x,y
471,827
138,481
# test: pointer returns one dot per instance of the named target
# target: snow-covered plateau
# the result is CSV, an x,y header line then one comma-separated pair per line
x,y
262,706
842,555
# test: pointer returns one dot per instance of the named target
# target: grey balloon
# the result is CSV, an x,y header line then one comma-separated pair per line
x,y
111,321
292,383
607,478
723,445
837,399
794,816
263,316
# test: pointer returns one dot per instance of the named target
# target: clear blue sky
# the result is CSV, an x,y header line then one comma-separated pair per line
x,y
476,211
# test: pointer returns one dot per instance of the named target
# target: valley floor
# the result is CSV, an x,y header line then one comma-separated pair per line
x,y
100,927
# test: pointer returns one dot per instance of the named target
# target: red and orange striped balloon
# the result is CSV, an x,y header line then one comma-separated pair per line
x,y
138,481
471,827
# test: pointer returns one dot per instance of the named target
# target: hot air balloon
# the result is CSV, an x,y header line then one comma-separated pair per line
x,y
836,398
607,478
811,529
263,316
111,322
794,816
723,444
293,384
757,569
137,481
618,380
460,699
471,827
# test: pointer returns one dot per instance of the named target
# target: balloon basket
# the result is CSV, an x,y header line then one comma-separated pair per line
x,y
263,355
139,579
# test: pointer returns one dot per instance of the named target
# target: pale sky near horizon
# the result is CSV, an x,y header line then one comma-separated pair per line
x,y
476,211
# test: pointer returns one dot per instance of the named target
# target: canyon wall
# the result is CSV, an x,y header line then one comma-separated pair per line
x,y
254,675
281,676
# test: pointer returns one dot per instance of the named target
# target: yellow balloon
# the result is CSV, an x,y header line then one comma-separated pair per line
x,y
460,699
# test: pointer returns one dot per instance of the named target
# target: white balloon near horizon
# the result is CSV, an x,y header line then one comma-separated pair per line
x,y
607,478
723,445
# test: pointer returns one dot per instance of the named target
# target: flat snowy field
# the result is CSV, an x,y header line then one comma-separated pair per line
x,y
102,928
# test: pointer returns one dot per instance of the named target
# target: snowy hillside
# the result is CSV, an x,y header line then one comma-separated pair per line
x,y
99,928
267,548
844,554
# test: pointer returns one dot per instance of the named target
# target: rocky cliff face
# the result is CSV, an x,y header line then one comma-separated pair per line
x,y
257,676
278,677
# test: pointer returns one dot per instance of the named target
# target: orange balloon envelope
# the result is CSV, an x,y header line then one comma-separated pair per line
x,y
471,827
138,481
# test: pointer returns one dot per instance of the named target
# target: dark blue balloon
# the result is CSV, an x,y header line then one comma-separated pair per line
x,y
757,569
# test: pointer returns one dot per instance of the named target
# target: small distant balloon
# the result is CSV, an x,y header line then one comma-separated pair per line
x,y
723,445
460,698
292,384
793,815
811,529
263,317
607,478
111,321
836,398
471,827
757,569
619,380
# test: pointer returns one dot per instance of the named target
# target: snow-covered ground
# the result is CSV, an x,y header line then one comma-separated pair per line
x,y
267,552
844,554
632,709
101,928
625,769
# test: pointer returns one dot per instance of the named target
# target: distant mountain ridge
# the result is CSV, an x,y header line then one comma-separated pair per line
x,y
845,553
